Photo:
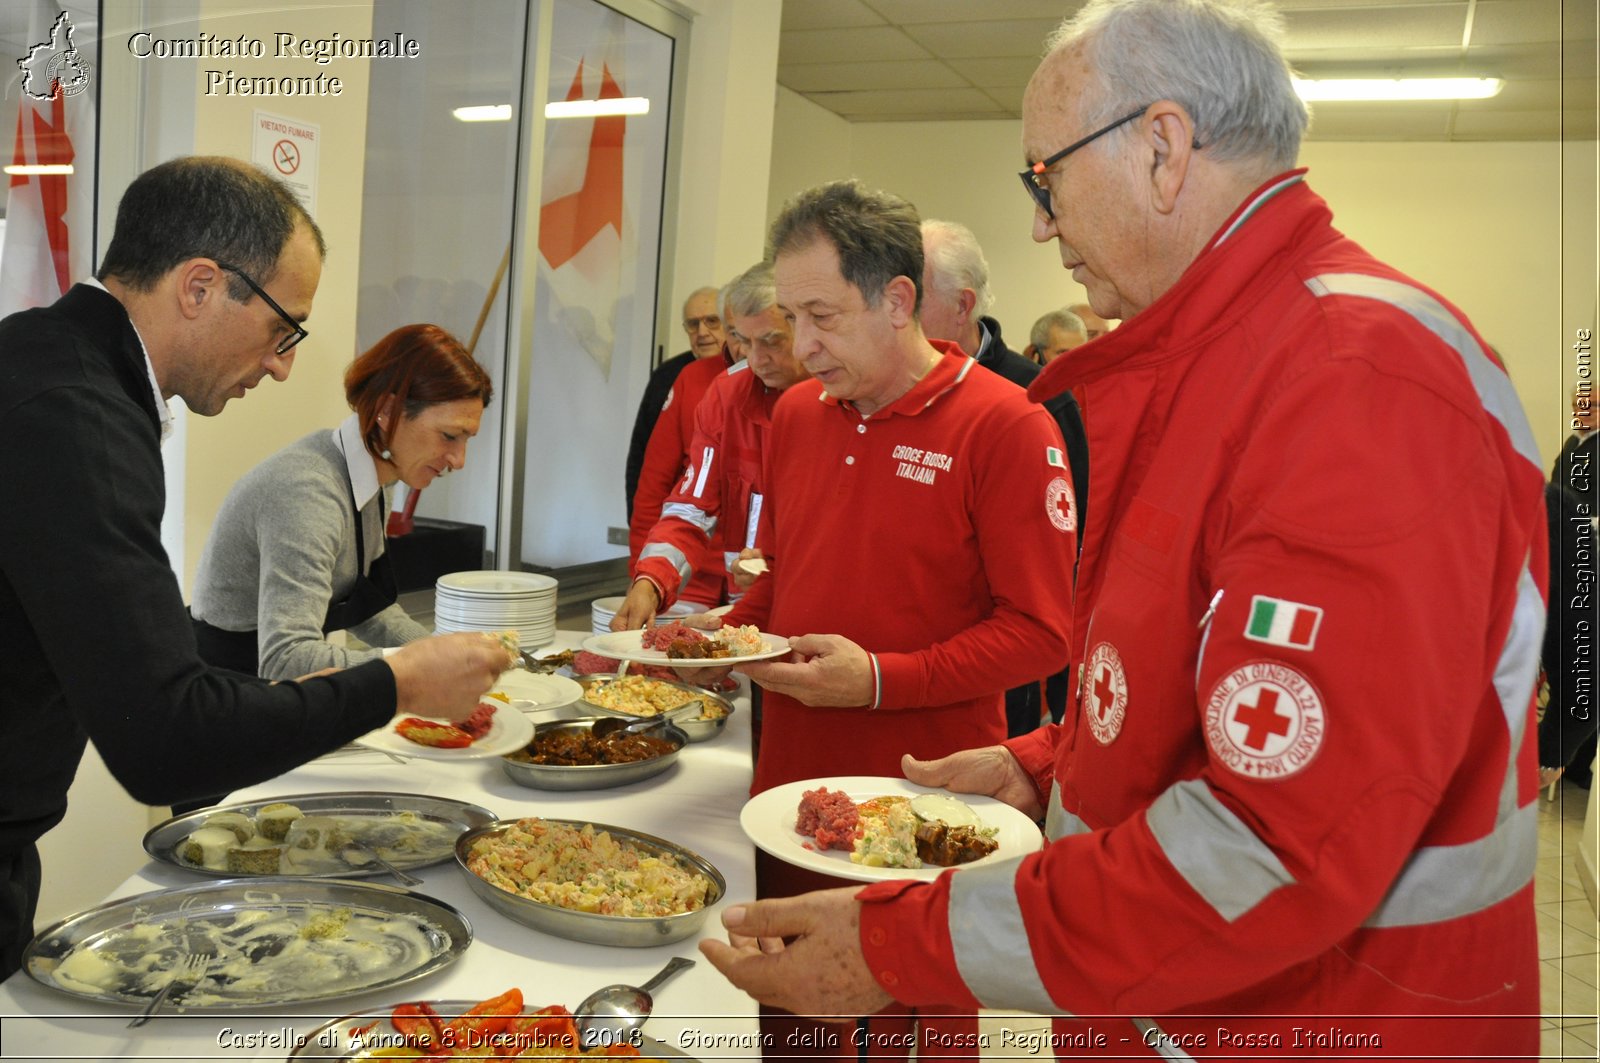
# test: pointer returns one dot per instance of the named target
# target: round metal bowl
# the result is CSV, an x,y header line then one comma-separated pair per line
x,y
626,931
696,727
589,776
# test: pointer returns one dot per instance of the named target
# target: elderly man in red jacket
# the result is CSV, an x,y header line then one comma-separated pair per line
x,y
1292,811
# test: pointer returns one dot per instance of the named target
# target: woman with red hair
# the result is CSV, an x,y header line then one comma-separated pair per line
x,y
298,551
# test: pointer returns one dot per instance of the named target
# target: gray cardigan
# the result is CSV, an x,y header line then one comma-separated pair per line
x,y
284,548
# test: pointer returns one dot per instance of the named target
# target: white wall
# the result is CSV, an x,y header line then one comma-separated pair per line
x,y
1483,224
727,144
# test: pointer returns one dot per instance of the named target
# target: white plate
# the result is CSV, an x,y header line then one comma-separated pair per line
x,y
629,646
510,731
768,820
492,582
538,691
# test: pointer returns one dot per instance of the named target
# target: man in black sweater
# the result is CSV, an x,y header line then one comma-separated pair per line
x,y
955,299
210,273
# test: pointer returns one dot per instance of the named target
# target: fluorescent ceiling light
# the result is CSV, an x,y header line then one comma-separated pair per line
x,y
49,168
1397,88
597,108
492,112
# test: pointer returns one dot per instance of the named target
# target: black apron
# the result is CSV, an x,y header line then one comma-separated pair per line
x,y
373,592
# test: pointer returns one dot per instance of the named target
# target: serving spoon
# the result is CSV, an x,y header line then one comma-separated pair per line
x,y
609,1015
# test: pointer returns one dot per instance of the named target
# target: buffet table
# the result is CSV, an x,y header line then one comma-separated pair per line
x,y
695,803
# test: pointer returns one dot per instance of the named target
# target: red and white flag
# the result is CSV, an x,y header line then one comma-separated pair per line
x,y
586,239
49,215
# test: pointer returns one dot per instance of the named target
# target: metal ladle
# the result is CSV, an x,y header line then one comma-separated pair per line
x,y
608,1016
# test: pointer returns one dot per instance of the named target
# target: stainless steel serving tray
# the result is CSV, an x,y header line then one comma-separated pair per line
x,y
283,940
589,776
697,729
628,931
164,840
355,1037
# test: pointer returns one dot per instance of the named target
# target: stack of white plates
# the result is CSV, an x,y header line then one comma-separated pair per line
x,y
603,609
496,601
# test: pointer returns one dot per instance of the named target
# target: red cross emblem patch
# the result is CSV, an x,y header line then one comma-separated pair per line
x,y
1105,695
1264,720
1060,505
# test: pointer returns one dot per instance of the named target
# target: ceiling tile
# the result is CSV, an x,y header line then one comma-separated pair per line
x,y
829,14
995,73
1377,28
994,38
1509,125
1517,21
902,106
915,12
839,77
1366,121
868,45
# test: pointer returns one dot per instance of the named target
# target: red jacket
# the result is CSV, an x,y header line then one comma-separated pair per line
x,y
937,534
1298,786
711,514
665,458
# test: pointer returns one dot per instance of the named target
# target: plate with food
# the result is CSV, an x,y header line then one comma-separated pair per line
x,y
677,646
317,835
869,828
590,881
527,692
494,729
503,1026
262,942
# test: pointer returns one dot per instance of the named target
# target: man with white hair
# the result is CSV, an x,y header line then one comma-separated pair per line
x,y
1294,811
1056,333
955,304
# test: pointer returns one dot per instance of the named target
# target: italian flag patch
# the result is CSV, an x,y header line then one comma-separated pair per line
x,y
1053,456
1280,623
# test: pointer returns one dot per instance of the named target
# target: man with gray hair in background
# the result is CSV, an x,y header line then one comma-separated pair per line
x,y
1293,813
955,306
1055,334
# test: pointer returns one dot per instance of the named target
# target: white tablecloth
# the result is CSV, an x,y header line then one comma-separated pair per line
x,y
695,803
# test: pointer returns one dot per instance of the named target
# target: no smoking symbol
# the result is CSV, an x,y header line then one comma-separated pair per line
x,y
285,156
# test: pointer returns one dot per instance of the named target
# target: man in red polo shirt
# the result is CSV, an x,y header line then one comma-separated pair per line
x,y
918,526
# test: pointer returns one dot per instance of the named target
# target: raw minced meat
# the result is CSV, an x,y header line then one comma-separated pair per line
x,y
661,636
830,817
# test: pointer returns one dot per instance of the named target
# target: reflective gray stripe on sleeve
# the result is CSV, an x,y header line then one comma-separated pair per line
x,y
990,943
1058,822
1493,386
674,556
693,514
1446,882
1213,849
1518,667
707,456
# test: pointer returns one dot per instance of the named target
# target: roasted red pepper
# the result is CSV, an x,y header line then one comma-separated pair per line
x,y
418,1023
474,1028
551,1027
432,733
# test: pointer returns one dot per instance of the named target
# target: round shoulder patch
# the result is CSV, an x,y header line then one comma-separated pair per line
x,y
1060,505
1105,696
1264,720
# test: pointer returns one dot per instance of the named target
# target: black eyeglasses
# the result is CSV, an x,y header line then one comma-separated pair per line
x,y
299,333
1033,177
